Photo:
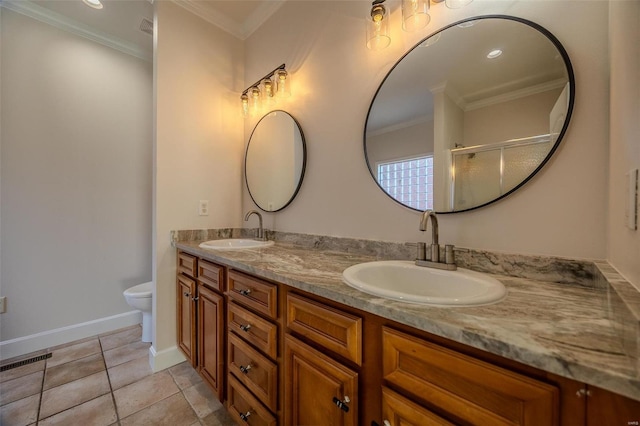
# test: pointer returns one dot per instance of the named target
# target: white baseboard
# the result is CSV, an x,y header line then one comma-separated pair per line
x,y
46,339
165,358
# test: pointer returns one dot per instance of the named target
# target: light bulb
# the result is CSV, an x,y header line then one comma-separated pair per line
x,y
377,27
245,104
268,91
255,100
283,84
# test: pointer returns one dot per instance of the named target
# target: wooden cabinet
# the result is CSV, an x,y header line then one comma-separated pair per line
x,y
211,338
464,389
318,389
252,349
186,313
200,318
280,356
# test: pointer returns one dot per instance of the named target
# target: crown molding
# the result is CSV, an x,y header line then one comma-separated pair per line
x,y
42,14
516,94
239,30
399,126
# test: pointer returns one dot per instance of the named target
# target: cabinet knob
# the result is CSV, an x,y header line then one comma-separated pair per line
x,y
245,416
245,328
386,423
195,299
583,392
245,292
186,294
342,404
245,369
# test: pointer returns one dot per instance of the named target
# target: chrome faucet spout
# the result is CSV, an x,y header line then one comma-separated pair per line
x,y
260,235
434,249
434,224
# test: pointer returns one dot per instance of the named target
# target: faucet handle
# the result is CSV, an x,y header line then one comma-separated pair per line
x,y
422,251
449,254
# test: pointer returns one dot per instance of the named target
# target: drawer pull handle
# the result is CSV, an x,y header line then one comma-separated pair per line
x,y
342,404
245,416
246,369
386,423
195,299
245,292
245,328
583,392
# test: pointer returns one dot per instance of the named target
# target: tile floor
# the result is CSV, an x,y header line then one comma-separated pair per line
x,y
105,380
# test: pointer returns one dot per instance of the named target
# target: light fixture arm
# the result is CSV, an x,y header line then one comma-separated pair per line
x,y
257,83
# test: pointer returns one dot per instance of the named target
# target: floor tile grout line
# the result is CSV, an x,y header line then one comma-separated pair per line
x,y
113,397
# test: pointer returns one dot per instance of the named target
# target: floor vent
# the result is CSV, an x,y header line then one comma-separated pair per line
x,y
146,26
24,362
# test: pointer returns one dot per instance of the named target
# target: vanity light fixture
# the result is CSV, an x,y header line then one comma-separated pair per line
x,y
264,91
378,26
93,3
415,14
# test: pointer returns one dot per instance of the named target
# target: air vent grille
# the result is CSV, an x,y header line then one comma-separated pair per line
x,y
24,362
146,26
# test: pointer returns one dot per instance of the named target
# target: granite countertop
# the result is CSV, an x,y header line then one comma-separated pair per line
x,y
560,328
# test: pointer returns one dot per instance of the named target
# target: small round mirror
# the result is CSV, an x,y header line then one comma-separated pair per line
x,y
275,161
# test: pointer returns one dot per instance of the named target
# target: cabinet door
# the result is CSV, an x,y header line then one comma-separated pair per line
x,y
400,411
606,408
186,313
318,390
211,338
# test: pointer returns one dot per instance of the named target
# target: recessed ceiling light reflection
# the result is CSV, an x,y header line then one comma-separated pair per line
x,y
494,53
93,3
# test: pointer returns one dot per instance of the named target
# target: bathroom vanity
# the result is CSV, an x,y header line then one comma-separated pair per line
x,y
282,340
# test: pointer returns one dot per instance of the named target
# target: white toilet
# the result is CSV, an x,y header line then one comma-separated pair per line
x,y
139,297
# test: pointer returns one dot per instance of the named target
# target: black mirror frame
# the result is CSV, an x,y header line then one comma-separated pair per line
x,y
572,84
302,171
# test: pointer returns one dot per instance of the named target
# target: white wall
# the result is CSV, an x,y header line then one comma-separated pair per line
x,y
198,146
75,177
562,211
624,24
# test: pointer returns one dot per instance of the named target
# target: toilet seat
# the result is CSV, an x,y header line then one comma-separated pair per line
x,y
139,291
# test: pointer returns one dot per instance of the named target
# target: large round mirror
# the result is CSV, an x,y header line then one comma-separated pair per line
x,y
469,114
275,161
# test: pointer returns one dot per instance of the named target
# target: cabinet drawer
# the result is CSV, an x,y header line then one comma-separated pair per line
x,y
259,332
254,293
400,411
187,264
475,391
245,408
335,330
211,275
254,370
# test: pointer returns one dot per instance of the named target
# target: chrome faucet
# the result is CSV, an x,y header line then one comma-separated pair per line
x,y
431,257
260,229
434,249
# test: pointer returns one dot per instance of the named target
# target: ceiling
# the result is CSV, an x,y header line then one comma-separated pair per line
x,y
118,23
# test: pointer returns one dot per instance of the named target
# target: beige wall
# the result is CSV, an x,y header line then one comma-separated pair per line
x,y
562,211
624,39
75,177
198,146
410,141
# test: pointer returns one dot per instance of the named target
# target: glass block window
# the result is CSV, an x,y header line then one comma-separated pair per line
x,y
410,181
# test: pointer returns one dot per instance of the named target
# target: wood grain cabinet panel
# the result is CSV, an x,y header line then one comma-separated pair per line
x,y
400,411
254,370
335,330
607,408
470,390
318,389
211,275
187,264
211,338
254,293
186,315
244,408
259,332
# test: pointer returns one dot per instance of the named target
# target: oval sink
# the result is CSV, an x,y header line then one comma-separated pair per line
x,y
406,282
235,244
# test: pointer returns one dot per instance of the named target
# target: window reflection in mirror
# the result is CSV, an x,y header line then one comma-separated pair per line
x,y
275,161
489,99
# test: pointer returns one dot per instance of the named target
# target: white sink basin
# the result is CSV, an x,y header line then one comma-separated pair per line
x,y
404,281
235,244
